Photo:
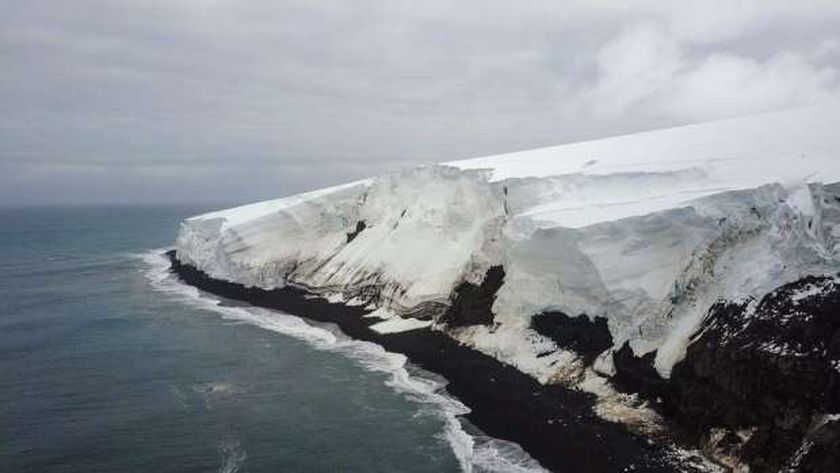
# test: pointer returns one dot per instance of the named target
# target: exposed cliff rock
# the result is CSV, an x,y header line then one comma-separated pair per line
x,y
587,338
473,304
360,226
758,387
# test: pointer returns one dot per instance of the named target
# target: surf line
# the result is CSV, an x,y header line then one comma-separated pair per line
x,y
557,426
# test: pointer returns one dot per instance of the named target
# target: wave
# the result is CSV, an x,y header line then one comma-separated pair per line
x,y
475,453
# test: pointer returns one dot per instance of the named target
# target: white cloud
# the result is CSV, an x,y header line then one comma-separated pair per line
x,y
726,85
646,70
638,64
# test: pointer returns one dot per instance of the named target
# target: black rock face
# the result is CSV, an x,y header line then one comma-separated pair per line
x,y
637,375
360,226
588,338
769,371
820,451
760,382
472,304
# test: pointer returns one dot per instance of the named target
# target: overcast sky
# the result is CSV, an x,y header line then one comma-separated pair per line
x,y
234,100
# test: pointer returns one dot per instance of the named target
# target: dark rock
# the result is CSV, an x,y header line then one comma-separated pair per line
x,y
472,304
820,451
635,374
360,226
770,370
588,338
757,380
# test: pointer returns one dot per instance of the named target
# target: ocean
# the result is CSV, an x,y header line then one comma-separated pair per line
x,y
108,363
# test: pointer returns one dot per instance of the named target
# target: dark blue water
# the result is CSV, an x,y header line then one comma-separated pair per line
x,y
108,365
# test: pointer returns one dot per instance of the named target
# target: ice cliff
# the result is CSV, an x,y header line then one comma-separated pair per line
x,y
644,236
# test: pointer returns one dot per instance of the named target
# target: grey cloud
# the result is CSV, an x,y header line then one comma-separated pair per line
x,y
239,100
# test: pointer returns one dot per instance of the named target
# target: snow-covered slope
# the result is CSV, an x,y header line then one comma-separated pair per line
x,y
645,230
612,178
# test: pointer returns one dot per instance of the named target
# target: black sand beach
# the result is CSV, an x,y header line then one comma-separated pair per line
x,y
557,426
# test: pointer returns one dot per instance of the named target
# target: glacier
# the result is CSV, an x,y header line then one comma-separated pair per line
x,y
647,232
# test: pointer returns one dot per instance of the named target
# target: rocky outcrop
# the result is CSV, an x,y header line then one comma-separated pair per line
x,y
759,387
472,303
360,226
582,335
637,375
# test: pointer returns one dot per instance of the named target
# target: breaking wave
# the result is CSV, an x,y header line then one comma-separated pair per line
x,y
475,453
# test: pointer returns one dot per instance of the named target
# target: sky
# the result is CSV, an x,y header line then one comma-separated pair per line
x,y
158,101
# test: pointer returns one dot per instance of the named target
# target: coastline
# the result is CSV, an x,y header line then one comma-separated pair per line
x,y
555,425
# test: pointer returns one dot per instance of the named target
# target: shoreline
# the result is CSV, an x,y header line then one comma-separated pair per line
x,y
557,426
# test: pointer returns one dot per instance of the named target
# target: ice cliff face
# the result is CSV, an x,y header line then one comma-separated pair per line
x,y
641,237
400,242
646,231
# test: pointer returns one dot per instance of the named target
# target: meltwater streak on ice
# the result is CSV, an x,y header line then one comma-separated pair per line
x,y
474,454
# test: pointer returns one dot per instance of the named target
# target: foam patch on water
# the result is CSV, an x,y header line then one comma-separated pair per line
x,y
232,456
495,455
474,453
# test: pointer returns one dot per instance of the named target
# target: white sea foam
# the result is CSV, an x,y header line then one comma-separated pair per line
x,y
500,456
474,453
232,455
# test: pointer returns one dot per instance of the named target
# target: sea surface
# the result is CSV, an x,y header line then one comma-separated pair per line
x,y
107,363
